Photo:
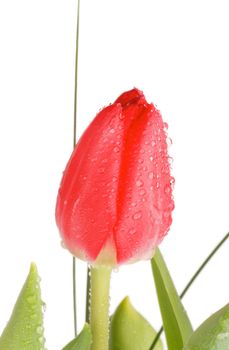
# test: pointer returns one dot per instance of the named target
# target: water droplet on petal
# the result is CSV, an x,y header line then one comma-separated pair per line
x,y
112,131
116,149
153,143
139,183
132,231
101,170
167,189
151,175
63,244
142,192
133,204
137,215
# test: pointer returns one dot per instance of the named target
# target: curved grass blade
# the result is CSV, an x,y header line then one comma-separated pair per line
x,y
82,342
129,330
176,323
213,334
24,330
74,143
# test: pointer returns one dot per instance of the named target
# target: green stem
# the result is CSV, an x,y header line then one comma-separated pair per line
x,y
99,313
186,288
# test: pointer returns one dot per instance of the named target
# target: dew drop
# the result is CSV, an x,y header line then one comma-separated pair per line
x,y
44,307
167,189
169,141
41,340
137,215
133,204
170,160
139,183
39,330
153,143
116,149
112,131
166,214
140,161
114,178
142,192
151,158
151,175
31,299
62,244
132,231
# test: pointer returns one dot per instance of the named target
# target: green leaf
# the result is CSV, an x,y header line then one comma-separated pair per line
x,y
82,342
130,331
176,323
24,330
213,334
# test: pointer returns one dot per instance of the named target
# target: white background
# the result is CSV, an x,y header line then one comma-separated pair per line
x,y
177,53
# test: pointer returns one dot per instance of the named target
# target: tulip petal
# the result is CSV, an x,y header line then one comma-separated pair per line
x,y
86,206
115,199
145,189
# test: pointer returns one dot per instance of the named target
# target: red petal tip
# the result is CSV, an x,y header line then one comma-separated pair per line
x,y
131,96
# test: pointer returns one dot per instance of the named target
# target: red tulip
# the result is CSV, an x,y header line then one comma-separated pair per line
x,y
115,199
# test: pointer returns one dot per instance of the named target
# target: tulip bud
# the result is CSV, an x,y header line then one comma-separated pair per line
x,y
115,199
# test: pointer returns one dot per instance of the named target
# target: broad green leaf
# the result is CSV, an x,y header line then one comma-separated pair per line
x,y
130,331
82,342
176,323
24,330
213,334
